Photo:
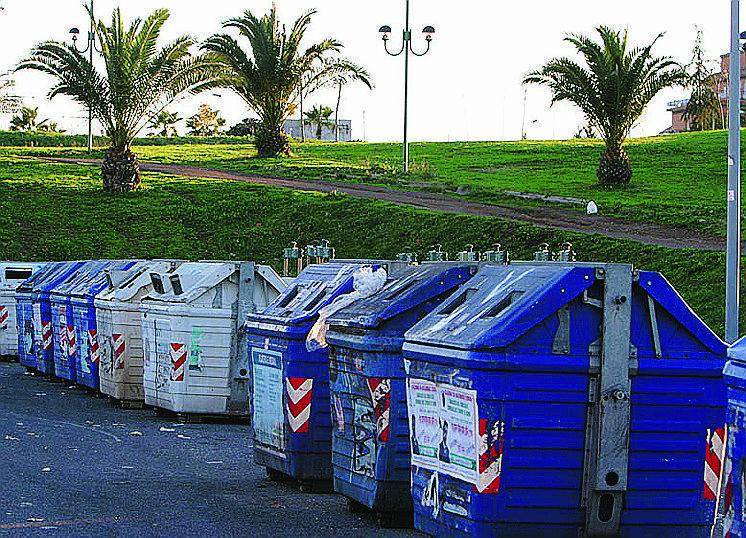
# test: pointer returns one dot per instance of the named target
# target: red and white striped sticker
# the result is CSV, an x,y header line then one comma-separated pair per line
x,y
72,341
299,395
178,361
714,457
380,393
490,455
93,346
63,329
120,346
4,315
46,335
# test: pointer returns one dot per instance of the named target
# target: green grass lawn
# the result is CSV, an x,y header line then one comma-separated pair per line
x,y
58,211
678,180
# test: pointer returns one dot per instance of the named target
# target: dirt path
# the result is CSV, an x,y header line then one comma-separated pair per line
x,y
548,217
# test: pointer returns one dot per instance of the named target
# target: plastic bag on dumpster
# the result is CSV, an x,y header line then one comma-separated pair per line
x,y
365,282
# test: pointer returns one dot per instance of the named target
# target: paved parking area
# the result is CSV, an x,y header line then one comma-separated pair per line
x,y
73,464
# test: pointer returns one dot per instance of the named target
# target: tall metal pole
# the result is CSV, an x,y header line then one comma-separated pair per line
x,y
733,263
407,39
91,46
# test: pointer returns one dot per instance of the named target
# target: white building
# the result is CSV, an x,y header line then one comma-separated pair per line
x,y
293,128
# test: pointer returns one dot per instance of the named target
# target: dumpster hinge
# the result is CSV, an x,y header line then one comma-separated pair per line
x,y
607,432
239,364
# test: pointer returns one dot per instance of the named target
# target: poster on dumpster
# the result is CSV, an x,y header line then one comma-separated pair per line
x,y
458,450
424,431
269,416
444,429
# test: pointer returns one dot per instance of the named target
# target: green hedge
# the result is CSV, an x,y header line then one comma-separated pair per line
x,y
25,139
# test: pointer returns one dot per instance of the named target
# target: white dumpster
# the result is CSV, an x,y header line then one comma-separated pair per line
x,y
195,362
12,275
119,338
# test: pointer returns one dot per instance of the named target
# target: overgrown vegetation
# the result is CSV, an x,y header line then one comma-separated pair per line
x,y
211,219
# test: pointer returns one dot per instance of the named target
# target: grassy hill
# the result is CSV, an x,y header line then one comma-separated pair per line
x,y
58,211
678,180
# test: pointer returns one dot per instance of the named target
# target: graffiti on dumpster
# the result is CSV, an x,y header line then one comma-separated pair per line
x,y
364,432
28,338
380,396
195,349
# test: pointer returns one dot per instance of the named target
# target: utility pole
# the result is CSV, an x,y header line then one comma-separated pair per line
x,y
733,257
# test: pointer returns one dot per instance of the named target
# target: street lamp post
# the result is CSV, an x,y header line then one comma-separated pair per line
x,y
733,256
406,48
90,48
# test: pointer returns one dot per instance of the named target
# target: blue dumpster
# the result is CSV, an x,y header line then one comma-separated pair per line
x,y
370,441
290,396
564,400
86,354
42,328
30,343
731,508
65,336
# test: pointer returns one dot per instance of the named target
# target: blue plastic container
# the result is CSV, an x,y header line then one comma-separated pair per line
x,y
65,336
500,381
731,513
34,316
370,442
290,396
82,297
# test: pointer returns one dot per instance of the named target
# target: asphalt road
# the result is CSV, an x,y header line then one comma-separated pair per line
x,y
73,464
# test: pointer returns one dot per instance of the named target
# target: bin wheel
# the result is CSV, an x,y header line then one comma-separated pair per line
x,y
355,507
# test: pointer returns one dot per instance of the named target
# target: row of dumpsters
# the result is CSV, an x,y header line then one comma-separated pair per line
x,y
476,397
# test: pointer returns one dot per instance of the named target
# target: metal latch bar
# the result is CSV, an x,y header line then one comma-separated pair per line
x,y
607,436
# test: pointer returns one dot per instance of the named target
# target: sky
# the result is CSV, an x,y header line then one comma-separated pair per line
x,y
467,88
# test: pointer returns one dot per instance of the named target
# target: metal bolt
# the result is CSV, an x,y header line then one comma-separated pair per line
x,y
619,395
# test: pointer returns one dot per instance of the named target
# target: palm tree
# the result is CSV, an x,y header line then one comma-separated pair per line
x,y
27,119
138,81
612,89
340,73
164,124
321,117
269,75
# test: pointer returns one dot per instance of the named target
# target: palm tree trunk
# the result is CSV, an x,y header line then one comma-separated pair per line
x,y
120,170
319,130
302,118
614,167
336,114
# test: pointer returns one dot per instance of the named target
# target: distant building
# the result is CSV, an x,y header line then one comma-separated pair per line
x,y
293,128
679,124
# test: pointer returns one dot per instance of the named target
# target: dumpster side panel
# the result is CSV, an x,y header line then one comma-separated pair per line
x,y
291,419
8,324
121,347
370,441
26,349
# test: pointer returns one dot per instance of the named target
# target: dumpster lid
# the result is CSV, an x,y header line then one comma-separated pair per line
x,y
99,281
407,289
317,286
82,279
13,274
501,303
125,285
52,276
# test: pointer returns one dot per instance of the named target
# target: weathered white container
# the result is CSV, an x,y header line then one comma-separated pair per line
x,y
195,362
12,275
119,338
